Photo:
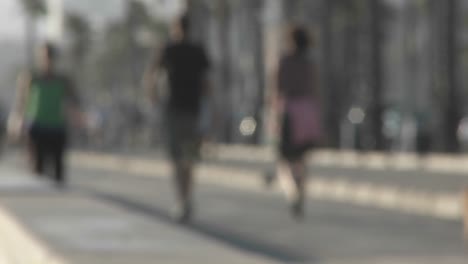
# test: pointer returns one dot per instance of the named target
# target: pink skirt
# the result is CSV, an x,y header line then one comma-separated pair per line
x,y
305,121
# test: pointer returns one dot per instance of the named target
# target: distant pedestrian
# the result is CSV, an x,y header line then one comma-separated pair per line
x,y
423,134
3,127
300,130
186,65
46,101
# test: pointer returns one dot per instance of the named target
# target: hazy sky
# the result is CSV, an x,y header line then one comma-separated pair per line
x,y
98,11
11,22
12,19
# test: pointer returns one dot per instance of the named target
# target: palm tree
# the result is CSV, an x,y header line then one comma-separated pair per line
x,y
222,12
452,111
375,7
80,32
137,17
33,9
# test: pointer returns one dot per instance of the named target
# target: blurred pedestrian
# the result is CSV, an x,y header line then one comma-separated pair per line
x,y
423,133
3,127
46,101
186,65
300,130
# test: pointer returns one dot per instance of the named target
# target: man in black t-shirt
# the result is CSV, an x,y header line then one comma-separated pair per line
x,y
186,65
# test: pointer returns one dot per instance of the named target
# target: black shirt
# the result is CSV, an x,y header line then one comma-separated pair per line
x,y
186,65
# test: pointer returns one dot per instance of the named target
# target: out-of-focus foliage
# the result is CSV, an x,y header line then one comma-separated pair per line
x,y
34,8
80,33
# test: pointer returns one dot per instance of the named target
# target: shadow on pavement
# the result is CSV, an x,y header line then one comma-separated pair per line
x,y
222,236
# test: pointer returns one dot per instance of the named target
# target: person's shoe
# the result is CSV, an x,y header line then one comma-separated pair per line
x,y
183,214
297,210
61,185
269,179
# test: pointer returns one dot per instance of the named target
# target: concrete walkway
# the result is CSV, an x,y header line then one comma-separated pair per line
x,y
41,225
414,196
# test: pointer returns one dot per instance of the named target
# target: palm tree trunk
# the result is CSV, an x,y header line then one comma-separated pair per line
x,y
376,73
30,44
226,74
331,114
452,111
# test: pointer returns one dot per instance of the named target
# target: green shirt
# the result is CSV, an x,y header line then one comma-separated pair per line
x,y
46,104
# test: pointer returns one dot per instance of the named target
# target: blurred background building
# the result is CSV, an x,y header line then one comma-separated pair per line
x,y
389,68
396,64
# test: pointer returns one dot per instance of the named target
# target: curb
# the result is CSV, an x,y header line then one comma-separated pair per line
x,y
351,159
376,161
465,216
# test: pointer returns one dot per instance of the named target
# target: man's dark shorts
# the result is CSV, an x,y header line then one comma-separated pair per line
x,y
184,137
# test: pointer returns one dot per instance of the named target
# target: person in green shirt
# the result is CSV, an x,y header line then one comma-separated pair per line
x,y
46,101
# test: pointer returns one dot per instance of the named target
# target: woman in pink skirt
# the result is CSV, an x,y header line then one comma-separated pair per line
x,y
300,130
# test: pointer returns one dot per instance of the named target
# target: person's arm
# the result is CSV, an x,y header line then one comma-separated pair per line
x,y
73,98
16,118
151,74
280,87
206,81
314,82
209,107
150,84
277,97
73,105
22,93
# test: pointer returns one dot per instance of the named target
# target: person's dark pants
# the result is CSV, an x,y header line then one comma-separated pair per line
x,y
47,147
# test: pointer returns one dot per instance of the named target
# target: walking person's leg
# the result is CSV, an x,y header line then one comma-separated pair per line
x,y
299,175
58,149
286,179
36,151
184,186
291,170
292,179
284,169
183,147
38,156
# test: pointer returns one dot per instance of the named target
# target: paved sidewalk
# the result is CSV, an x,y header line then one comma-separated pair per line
x,y
51,227
445,203
410,260
117,216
